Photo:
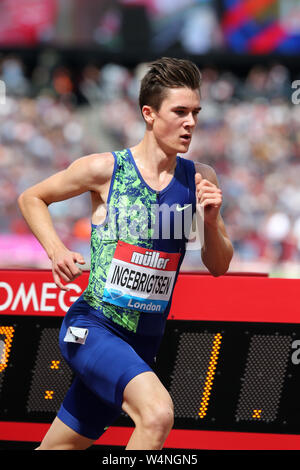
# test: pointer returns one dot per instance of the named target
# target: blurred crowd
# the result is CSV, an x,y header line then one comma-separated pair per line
x,y
249,131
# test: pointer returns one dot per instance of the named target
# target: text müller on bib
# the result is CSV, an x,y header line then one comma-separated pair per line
x,y
140,278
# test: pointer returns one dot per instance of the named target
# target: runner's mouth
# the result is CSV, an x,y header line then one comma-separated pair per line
x,y
186,137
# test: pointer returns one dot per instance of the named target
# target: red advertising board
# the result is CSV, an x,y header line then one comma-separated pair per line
x,y
242,395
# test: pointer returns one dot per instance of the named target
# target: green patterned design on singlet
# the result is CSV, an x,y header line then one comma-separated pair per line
x,y
127,191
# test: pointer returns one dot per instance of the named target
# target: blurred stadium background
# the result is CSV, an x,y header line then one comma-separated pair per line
x,y
71,71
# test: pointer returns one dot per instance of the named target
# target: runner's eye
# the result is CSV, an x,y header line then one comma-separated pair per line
x,y
180,112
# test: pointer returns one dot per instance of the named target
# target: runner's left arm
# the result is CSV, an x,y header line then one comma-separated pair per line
x,y
217,249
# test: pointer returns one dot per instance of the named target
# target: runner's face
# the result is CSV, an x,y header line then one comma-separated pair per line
x,y
176,119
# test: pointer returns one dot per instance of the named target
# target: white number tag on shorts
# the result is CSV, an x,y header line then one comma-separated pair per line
x,y
76,335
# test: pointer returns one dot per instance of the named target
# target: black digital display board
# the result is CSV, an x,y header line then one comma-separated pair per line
x,y
222,376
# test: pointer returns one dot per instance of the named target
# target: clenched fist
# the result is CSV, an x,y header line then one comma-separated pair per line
x,y
209,196
64,267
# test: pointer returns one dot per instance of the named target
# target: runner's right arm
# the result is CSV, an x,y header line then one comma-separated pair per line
x,y
88,173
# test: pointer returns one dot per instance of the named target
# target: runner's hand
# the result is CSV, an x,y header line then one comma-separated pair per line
x,y
209,196
64,267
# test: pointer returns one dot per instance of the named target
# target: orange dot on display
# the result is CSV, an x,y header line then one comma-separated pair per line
x,y
49,394
256,414
8,332
210,375
54,365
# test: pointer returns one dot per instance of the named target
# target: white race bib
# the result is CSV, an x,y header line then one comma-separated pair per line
x,y
140,278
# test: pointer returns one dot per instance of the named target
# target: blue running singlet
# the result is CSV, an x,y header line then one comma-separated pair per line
x,y
113,331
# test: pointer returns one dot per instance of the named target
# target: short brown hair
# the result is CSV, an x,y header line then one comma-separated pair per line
x,y
167,73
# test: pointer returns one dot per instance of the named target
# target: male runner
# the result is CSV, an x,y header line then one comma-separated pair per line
x,y
111,334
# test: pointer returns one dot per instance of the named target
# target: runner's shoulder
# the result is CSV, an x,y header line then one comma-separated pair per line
x,y
99,165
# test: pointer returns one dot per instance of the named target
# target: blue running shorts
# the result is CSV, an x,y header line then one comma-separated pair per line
x,y
104,357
